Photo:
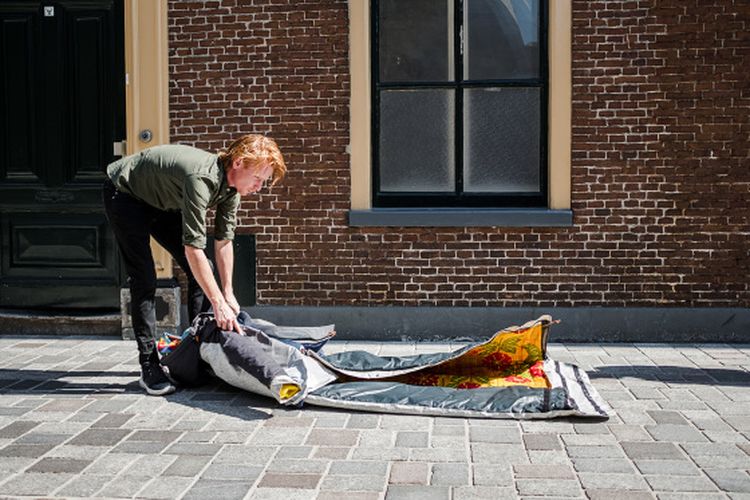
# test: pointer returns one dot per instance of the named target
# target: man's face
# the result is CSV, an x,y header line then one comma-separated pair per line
x,y
248,179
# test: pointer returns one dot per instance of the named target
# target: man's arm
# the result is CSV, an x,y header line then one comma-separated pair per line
x,y
224,257
226,318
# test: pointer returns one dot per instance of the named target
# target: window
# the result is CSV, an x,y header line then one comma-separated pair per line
x,y
459,103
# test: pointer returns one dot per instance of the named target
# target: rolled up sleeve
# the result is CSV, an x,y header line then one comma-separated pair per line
x,y
195,198
226,218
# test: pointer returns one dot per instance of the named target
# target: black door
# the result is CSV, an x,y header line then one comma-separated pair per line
x,y
62,108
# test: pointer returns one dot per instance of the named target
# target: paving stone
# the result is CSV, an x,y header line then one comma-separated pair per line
x,y
667,417
498,453
187,466
558,487
38,438
58,465
492,475
294,452
412,439
140,447
740,423
409,473
34,483
353,482
226,490
25,450
719,462
327,438
208,437
594,451
619,495
149,465
589,440
730,480
542,442
448,430
353,467
282,494
193,449
712,450
484,434
611,481
543,472
350,495
437,455
450,475
332,452
244,454
83,486
453,442
16,429
413,492
638,450
371,453
65,405
704,495
664,467
10,465
603,465
286,422
304,481
358,421
160,436
405,422
281,436
675,433
680,483
99,437
554,457
232,472
297,466
482,493
629,433
162,488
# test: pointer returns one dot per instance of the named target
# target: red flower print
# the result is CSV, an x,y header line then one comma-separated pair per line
x,y
467,384
517,379
497,361
537,369
424,379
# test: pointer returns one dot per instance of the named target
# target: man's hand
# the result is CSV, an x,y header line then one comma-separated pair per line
x,y
232,302
226,318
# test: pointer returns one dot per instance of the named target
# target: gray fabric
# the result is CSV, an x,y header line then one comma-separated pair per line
x,y
260,364
291,332
510,400
327,380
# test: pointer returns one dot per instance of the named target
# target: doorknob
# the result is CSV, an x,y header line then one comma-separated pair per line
x,y
145,135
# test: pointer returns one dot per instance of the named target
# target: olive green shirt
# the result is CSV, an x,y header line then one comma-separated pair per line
x,y
176,177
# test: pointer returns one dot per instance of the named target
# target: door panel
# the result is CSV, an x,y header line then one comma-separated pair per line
x,y
62,103
17,87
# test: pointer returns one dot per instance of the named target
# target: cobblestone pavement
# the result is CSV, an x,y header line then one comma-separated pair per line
x,y
73,423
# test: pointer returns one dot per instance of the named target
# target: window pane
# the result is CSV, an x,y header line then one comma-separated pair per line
x,y
501,140
416,40
417,140
502,39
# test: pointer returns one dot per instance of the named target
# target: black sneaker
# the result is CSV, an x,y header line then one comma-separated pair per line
x,y
154,381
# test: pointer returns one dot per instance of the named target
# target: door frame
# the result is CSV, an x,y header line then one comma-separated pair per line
x,y
147,87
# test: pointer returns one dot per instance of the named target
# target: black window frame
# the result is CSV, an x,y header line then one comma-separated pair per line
x,y
459,198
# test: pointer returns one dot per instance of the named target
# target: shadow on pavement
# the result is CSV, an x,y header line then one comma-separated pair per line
x,y
214,396
675,374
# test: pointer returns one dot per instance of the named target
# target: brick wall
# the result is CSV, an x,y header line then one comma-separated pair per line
x,y
661,176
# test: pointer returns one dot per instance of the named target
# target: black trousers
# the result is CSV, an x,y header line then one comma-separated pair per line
x,y
133,222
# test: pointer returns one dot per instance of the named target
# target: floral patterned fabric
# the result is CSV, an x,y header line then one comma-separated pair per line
x,y
508,359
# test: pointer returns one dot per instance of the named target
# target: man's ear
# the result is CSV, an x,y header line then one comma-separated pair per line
x,y
237,163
